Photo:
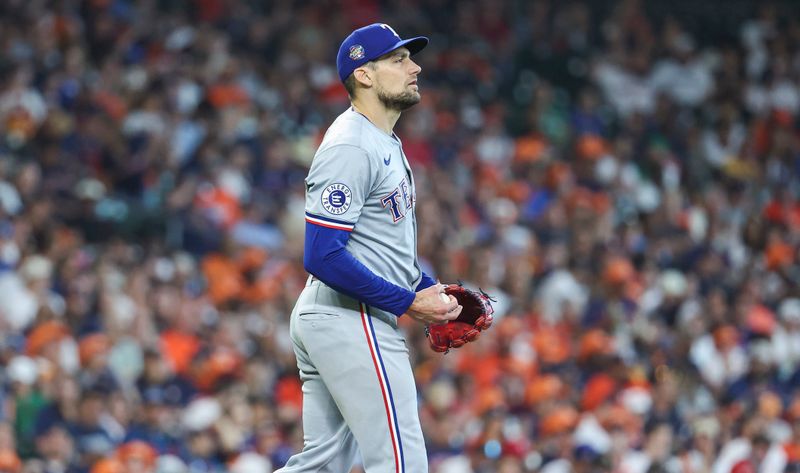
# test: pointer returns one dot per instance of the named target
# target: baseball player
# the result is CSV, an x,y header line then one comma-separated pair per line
x,y
359,393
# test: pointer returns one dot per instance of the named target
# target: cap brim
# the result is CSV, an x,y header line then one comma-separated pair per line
x,y
414,45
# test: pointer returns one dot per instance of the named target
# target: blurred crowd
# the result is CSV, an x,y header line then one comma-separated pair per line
x,y
622,176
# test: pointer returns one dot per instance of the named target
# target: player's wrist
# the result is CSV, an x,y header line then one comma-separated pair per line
x,y
407,302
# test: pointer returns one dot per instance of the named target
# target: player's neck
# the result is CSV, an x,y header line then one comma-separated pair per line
x,y
377,113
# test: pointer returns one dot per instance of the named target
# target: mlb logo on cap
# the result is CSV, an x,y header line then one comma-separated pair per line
x,y
369,43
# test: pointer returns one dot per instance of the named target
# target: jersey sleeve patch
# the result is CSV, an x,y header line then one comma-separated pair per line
x,y
336,198
329,222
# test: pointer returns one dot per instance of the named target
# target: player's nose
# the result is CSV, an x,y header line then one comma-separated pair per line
x,y
415,68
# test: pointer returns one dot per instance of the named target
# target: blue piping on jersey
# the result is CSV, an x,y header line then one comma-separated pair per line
x,y
329,220
326,257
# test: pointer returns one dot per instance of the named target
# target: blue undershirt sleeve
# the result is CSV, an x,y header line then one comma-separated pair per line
x,y
425,282
326,257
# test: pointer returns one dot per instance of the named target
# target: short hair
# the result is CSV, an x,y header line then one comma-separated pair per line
x,y
350,84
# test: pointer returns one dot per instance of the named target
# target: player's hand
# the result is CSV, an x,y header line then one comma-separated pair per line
x,y
433,306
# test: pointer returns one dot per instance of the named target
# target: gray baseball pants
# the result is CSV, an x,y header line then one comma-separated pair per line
x,y
359,393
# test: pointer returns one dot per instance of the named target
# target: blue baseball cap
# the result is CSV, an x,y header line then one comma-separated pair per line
x,y
369,43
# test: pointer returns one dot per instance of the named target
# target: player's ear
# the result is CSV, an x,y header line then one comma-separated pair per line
x,y
363,76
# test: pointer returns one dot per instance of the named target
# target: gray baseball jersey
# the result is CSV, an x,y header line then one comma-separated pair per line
x,y
360,180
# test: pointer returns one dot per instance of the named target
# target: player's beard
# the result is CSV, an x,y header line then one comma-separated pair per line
x,y
400,102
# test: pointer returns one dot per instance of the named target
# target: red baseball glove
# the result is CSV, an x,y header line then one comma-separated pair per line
x,y
475,317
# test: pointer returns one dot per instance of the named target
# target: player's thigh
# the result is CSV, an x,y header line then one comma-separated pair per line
x,y
328,444
364,363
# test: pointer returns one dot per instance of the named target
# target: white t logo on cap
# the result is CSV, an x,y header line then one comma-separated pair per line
x,y
384,25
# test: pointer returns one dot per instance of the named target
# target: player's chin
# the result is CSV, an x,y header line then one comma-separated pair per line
x,y
407,100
